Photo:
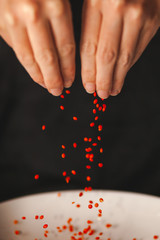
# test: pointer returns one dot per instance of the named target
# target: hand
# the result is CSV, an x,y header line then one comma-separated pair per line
x,y
41,34
114,35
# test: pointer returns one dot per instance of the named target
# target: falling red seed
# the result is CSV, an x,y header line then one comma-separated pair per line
x,y
45,235
73,172
96,118
68,92
74,145
80,194
62,107
91,232
88,166
24,218
62,96
86,139
100,165
90,206
64,227
88,149
101,150
36,217
94,111
92,124
63,155
41,217
78,205
36,177
63,146
64,173
75,118
16,232
71,229
43,127
88,178
94,94
100,128
89,188
67,179
45,226
97,105
100,108
96,205
100,210
99,138
99,215
90,139
95,101
94,144
15,221
91,201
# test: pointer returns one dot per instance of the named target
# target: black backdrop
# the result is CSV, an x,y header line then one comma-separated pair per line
x,y
131,136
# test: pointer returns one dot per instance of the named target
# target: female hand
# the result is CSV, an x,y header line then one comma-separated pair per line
x,y
41,34
114,35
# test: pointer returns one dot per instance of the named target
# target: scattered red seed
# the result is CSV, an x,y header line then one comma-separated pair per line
x,y
91,232
69,220
58,194
100,128
89,222
45,235
15,221
101,200
99,215
100,210
94,144
101,233
94,111
64,227
88,178
36,177
16,232
90,140
62,107
43,127
95,101
80,194
96,205
90,206
36,217
100,165
101,150
100,108
96,118
97,105
74,145
23,218
73,202
94,94
99,138
62,96
155,236
64,173
88,149
73,172
91,201
92,124
108,225
63,146
45,226
75,118
41,217
86,139
71,229
97,238
63,155
78,205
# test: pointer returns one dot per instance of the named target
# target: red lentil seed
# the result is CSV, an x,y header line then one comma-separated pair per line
x,y
95,101
99,215
100,128
67,179
101,150
64,173
96,118
92,124
88,178
36,217
74,145
63,155
36,177
88,149
73,202
80,233
64,227
73,172
75,118
63,146
97,238
94,111
155,236
86,139
23,218
41,217
99,138
16,232
43,127
100,165
101,233
68,92
59,194
80,194
108,225
71,229
89,221
15,221
94,144
90,139
90,206
96,205
88,166
94,94
91,232
97,105
101,200
91,201
89,188
69,220
62,107
100,210
45,226
78,205
45,235
62,96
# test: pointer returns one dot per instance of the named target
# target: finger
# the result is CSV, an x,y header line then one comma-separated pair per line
x,y
45,54
62,27
107,52
127,51
22,47
147,33
4,34
91,21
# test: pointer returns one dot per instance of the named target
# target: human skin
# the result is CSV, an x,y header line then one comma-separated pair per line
x,y
41,35
114,35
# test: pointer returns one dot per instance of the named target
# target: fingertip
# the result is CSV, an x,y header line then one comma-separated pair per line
x,y
90,88
114,92
56,92
103,94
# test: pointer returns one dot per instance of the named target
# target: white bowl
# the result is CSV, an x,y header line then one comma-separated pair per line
x,y
132,215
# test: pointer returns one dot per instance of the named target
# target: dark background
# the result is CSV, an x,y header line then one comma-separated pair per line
x,y
131,136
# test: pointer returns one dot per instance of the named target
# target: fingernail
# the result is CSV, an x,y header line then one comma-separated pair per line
x,y
103,94
68,83
56,91
114,92
90,87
